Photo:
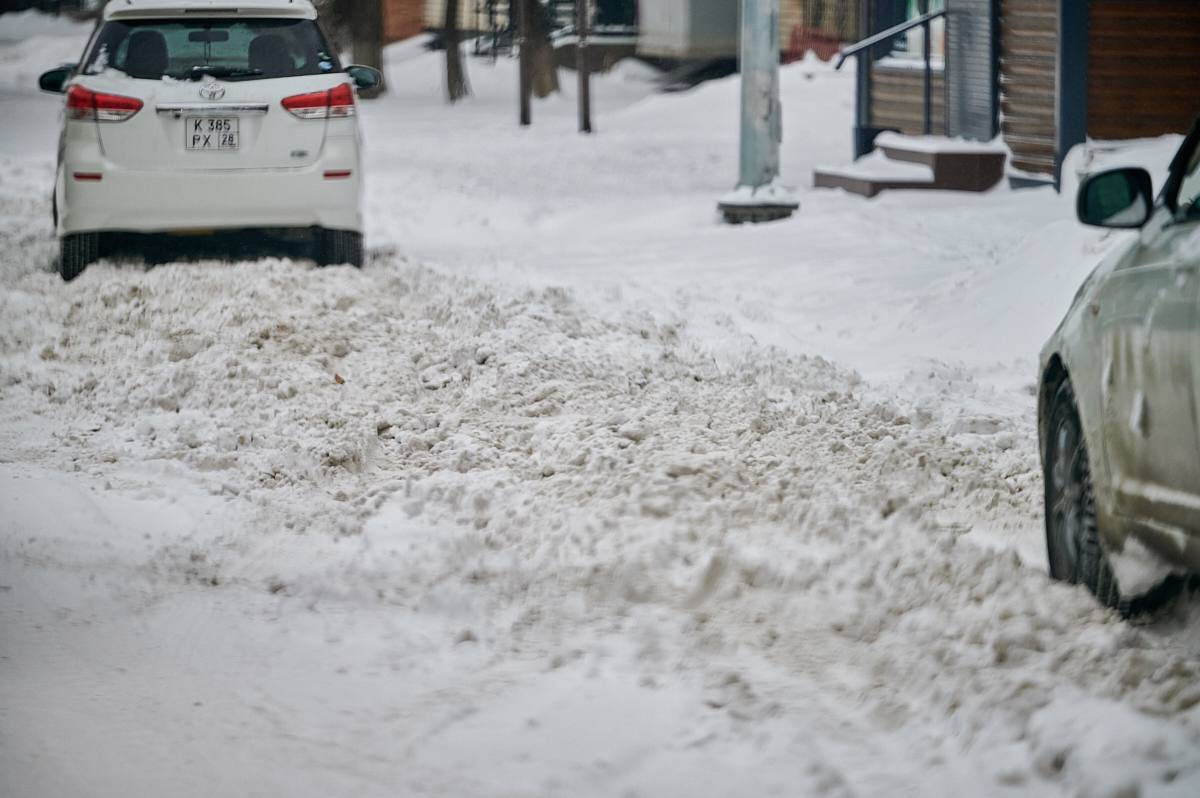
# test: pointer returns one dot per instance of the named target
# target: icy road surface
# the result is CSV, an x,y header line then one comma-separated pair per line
x,y
571,491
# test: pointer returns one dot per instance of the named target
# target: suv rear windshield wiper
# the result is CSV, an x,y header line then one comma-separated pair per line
x,y
200,70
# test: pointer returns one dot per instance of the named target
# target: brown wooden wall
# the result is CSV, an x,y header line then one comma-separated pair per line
x,y
402,19
1028,70
898,99
1143,67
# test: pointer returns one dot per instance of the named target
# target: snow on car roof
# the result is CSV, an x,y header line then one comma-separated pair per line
x,y
120,9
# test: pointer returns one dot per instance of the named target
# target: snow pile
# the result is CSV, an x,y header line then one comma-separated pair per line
x,y
18,25
31,43
967,287
541,484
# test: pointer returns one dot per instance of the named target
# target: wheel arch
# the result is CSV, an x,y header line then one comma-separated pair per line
x,y
1053,376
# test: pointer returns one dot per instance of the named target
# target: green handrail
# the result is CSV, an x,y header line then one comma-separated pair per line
x,y
883,36
860,49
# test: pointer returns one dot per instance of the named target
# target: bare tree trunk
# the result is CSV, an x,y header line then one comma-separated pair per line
x,y
582,65
545,70
366,31
525,66
457,86
332,16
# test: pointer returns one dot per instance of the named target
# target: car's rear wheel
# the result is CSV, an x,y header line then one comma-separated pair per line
x,y
76,252
335,247
1072,535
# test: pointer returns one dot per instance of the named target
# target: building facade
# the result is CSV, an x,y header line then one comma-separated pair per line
x,y
402,19
698,29
1044,74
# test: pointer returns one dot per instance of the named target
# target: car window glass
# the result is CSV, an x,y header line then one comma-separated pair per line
x,y
230,49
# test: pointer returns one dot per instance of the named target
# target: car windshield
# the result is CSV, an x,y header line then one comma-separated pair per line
x,y
241,49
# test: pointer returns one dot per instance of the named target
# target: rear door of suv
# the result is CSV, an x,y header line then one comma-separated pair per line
x,y
214,90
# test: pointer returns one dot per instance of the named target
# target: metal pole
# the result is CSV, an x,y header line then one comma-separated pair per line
x,y
926,52
582,67
758,197
524,64
948,85
759,53
863,140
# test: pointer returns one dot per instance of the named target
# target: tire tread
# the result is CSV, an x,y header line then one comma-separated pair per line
x,y
76,252
335,247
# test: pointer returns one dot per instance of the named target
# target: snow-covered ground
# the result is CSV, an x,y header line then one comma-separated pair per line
x,y
573,490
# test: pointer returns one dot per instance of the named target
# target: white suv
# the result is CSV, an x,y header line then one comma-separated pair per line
x,y
192,115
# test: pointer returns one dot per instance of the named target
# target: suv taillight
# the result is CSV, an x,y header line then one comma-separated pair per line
x,y
337,102
87,104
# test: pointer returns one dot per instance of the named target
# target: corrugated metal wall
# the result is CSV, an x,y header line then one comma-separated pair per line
x,y
1028,70
837,17
970,71
819,26
1143,67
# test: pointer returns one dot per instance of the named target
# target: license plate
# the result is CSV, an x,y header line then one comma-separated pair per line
x,y
210,132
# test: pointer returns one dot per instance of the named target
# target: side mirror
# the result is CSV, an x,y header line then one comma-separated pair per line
x,y
364,77
1118,198
56,79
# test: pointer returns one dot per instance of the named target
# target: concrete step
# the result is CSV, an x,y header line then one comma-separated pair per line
x,y
919,162
874,173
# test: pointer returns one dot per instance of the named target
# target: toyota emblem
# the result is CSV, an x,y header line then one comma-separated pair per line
x,y
212,91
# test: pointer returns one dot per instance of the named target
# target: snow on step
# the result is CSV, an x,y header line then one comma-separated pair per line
x,y
939,144
919,162
878,167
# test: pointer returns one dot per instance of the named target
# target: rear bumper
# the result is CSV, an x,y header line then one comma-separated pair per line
x,y
155,202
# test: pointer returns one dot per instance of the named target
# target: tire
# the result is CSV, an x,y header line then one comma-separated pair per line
x,y
335,247
76,252
1073,541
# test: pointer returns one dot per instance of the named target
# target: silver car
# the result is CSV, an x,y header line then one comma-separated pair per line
x,y
1119,403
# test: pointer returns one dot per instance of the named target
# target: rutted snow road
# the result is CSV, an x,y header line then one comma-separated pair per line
x,y
753,564
267,529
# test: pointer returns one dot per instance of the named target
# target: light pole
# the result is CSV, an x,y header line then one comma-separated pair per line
x,y
759,197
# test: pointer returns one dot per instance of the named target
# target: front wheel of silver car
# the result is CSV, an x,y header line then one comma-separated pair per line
x,y
1070,505
1072,535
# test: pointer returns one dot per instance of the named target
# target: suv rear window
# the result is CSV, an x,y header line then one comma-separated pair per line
x,y
231,49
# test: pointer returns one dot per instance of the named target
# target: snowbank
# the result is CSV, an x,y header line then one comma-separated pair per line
x,y
31,43
18,25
